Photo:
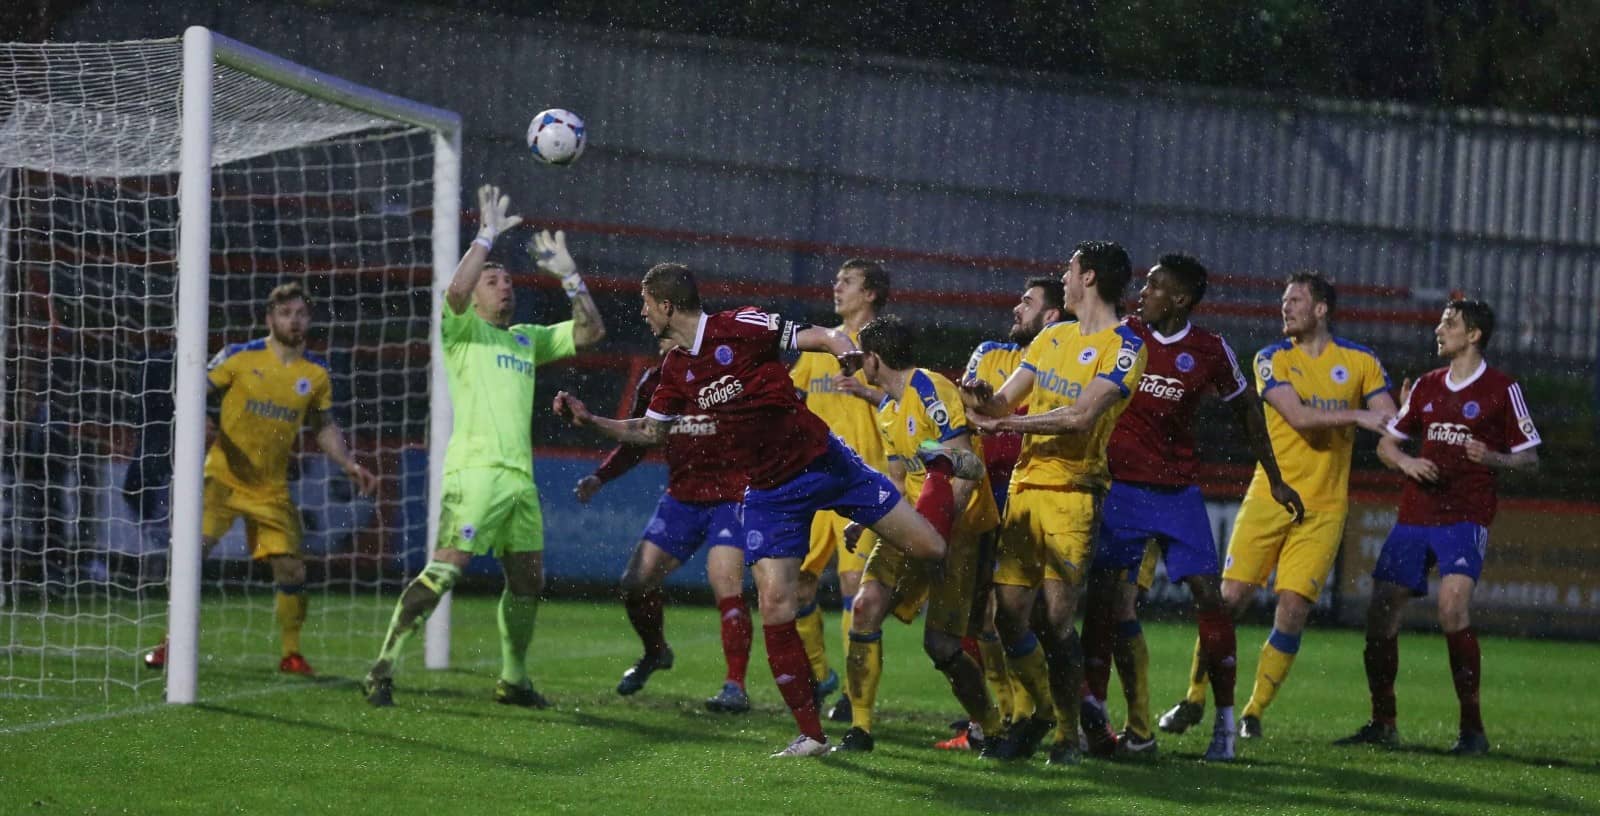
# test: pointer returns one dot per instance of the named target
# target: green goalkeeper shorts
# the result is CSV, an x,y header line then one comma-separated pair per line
x,y
490,511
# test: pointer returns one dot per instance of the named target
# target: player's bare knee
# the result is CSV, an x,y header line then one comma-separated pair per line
x,y
1236,595
1453,614
289,570
869,607
941,647
1292,612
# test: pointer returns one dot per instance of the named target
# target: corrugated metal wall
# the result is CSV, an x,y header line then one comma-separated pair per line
x,y
727,138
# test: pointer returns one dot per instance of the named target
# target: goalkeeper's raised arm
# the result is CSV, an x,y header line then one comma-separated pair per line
x,y
550,254
548,251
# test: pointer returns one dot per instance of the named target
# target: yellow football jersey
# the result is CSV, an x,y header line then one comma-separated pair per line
x,y
264,406
929,409
1063,361
992,362
851,418
1317,463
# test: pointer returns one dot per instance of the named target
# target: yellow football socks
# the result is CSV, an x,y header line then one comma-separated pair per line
x,y
1277,656
290,604
995,673
1198,680
808,622
863,670
1132,657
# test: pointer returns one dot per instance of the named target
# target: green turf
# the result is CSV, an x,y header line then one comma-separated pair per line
x,y
262,744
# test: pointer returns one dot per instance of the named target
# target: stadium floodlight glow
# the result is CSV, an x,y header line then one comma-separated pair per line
x,y
151,193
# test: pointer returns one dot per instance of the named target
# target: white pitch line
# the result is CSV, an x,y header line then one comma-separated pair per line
x,y
46,725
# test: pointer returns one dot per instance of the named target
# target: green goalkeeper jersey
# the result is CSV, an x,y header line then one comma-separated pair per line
x,y
490,372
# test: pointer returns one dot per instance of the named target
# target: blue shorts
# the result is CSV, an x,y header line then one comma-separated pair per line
x,y
679,528
1411,549
1175,517
777,521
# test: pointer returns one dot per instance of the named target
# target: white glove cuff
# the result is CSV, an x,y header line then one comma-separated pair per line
x,y
573,285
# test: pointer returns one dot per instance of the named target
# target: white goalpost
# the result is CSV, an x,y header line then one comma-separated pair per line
x,y
151,194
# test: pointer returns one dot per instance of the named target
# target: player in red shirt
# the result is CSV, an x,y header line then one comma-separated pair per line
x,y
1468,421
727,366
1154,498
699,506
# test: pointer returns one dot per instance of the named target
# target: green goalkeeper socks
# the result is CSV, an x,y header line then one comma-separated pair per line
x,y
415,604
517,614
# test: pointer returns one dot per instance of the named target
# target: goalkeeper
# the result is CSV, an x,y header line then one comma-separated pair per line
x,y
490,505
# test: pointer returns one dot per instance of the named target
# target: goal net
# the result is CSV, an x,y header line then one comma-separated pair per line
x,y
122,270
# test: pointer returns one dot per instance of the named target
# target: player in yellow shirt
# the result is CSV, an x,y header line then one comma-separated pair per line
x,y
1077,378
847,405
931,460
1318,389
992,362
271,387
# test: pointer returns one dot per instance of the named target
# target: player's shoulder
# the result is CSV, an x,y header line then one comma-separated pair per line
x,y
1128,336
1137,325
234,351
1352,347
1055,333
988,347
317,360
650,377
929,386
1275,348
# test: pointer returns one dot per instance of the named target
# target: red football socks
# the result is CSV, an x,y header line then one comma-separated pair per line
x,y
1382,659
736,636
1465,667
937,502
792,669
644,612
1220,649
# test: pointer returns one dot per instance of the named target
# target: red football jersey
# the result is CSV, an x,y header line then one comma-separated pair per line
x,y
1445,416
1154,439
732,374
695,472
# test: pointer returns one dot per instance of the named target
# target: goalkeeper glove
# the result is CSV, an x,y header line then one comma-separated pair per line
x,y
550,254
492,218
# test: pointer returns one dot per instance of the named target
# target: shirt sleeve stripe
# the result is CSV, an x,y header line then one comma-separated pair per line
x,y
649,414
1517,403
1121,386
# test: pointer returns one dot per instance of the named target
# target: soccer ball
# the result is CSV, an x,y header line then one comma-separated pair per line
x,y
556,136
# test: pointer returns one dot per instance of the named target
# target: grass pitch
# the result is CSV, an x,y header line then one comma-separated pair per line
x,y
259,743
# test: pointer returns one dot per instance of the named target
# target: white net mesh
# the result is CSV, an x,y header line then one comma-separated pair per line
x,y
303,190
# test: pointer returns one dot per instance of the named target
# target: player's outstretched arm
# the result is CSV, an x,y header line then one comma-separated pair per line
x,y
645,431
492,222
1415,468
550,254
1098,396
330,438
979,398
1247,412
1301,417
1521,460
830,341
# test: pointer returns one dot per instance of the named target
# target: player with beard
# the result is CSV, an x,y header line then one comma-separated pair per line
x,y
728,366
270,388
992,362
